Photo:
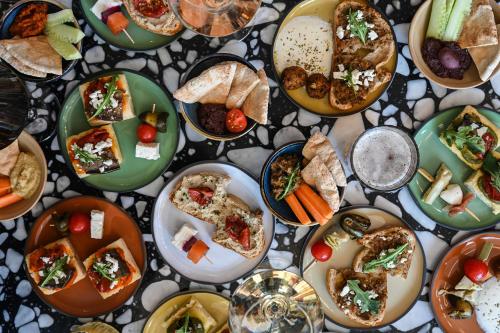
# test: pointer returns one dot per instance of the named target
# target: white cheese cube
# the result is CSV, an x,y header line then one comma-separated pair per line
x,y
96,224
183,235
148,151
102,5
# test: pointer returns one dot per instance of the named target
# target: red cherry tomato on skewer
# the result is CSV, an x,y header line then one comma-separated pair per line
x,y
475,269
321,251
146,133
79,222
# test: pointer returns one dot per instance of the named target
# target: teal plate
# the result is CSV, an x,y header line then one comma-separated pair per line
x,y
432,153
134,172
144,40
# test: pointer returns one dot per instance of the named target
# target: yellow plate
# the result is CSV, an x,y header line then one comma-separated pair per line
x,y
216,304
325,9
402,294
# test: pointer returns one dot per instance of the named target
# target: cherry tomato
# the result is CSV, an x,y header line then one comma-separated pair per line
x,y
236,121
321,251
475,269
146,133
79,222
202,195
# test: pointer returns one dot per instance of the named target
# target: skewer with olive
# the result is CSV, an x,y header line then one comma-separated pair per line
x,y
155,119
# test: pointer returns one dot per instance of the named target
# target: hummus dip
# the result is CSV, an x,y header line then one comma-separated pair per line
x,y
26,175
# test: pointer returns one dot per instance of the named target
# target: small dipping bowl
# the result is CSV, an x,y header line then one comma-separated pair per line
x,y
384,158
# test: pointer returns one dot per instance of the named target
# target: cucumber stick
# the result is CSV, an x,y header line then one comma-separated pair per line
x,y
439,18
64,49
461,9
63,16
65,33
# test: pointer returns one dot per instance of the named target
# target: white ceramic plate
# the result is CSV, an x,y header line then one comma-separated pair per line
x,y
402,293
227,265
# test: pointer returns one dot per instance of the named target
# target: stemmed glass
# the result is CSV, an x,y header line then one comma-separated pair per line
x,y
216,18
275,301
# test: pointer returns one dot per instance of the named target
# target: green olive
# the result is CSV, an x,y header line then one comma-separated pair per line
x,y
155,119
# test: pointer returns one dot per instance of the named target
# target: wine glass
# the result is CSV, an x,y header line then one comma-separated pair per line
x,y
216,18
275,301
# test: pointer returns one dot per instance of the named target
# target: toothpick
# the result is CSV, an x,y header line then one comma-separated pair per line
x,y
128,36
153,108
210,261
471,213
311,264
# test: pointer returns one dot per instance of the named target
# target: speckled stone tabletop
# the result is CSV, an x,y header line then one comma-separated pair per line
x,y
409,101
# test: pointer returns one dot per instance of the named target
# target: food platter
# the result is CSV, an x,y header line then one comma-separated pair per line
x,y
402,293
432,153
134,172
450,271
220,265
144,40
322,11
216,304
82,299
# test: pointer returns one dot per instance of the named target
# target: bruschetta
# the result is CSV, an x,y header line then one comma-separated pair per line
x,y
481,184
112,268
55,266
94,151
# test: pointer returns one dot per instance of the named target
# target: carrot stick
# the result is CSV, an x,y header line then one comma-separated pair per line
x,y
9,199
311,208
320,204
4,185
297,209
198,251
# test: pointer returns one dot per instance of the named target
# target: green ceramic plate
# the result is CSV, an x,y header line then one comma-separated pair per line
x,y
134,172
432,153
144,40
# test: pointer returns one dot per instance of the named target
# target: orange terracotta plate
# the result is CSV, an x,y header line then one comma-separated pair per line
x,y
82,299
450,271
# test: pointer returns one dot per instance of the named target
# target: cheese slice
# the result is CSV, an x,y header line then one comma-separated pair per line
x,y
148,151
96,224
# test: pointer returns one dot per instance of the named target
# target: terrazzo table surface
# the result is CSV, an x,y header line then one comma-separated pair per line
x,y
410,100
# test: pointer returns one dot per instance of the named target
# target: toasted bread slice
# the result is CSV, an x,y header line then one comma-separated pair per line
x,y
126,111
378,51
210,212
112,153
194,309
472,183
470,111
374,283
120,248
380,242
167,24
234,206
35,262
345,97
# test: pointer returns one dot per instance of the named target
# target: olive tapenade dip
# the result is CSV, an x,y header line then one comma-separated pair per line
x,y
107,100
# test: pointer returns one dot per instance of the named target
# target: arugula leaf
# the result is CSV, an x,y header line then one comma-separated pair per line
x,y
492,166
384,260
109,93
56,267
103,269
362,298
465,136
349,80
291,181
357,26
84,155
185,326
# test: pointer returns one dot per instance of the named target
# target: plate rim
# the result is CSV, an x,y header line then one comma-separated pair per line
x,y
182,293
461,241
264,197
346,209
415,200
62,146
84,197
244,275
343,113
175,37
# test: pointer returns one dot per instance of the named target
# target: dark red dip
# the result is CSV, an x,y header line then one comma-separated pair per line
x,y
212,117
442,65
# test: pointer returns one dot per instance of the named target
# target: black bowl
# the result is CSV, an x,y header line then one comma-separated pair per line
x,y
189,111
7,20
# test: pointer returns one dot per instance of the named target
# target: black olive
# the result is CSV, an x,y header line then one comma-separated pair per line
x,y
355,225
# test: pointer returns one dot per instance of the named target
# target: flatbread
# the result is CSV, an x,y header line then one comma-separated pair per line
x,y
8,158
245,80
486,58
220,93
257,103
479,28
317,175
35,52
19,66
208,80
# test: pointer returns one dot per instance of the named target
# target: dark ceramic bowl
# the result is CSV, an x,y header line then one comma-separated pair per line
x,y
7,20
280,208
189,111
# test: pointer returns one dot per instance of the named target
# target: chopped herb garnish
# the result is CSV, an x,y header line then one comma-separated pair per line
x,y
51,273
291,180
492,166
111,88
349,80
357,25
185,326
83,155
362,298
465,136
103,269
384,260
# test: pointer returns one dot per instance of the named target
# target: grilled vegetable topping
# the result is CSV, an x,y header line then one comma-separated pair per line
x,y
461,309
107,98
55,270
285,175
363,299
385,259
355,225
357,25
84,156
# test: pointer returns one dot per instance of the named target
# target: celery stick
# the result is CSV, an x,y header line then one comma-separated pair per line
x,y
439,18
461,9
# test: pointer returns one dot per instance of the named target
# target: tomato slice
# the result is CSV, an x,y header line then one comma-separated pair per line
x,y
490,190
238,230
489,141
202,195
236,121
151,8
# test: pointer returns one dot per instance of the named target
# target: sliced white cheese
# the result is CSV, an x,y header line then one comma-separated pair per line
x,y
452,195
183,235
466,284
96,224
102,5
482,131
148,151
